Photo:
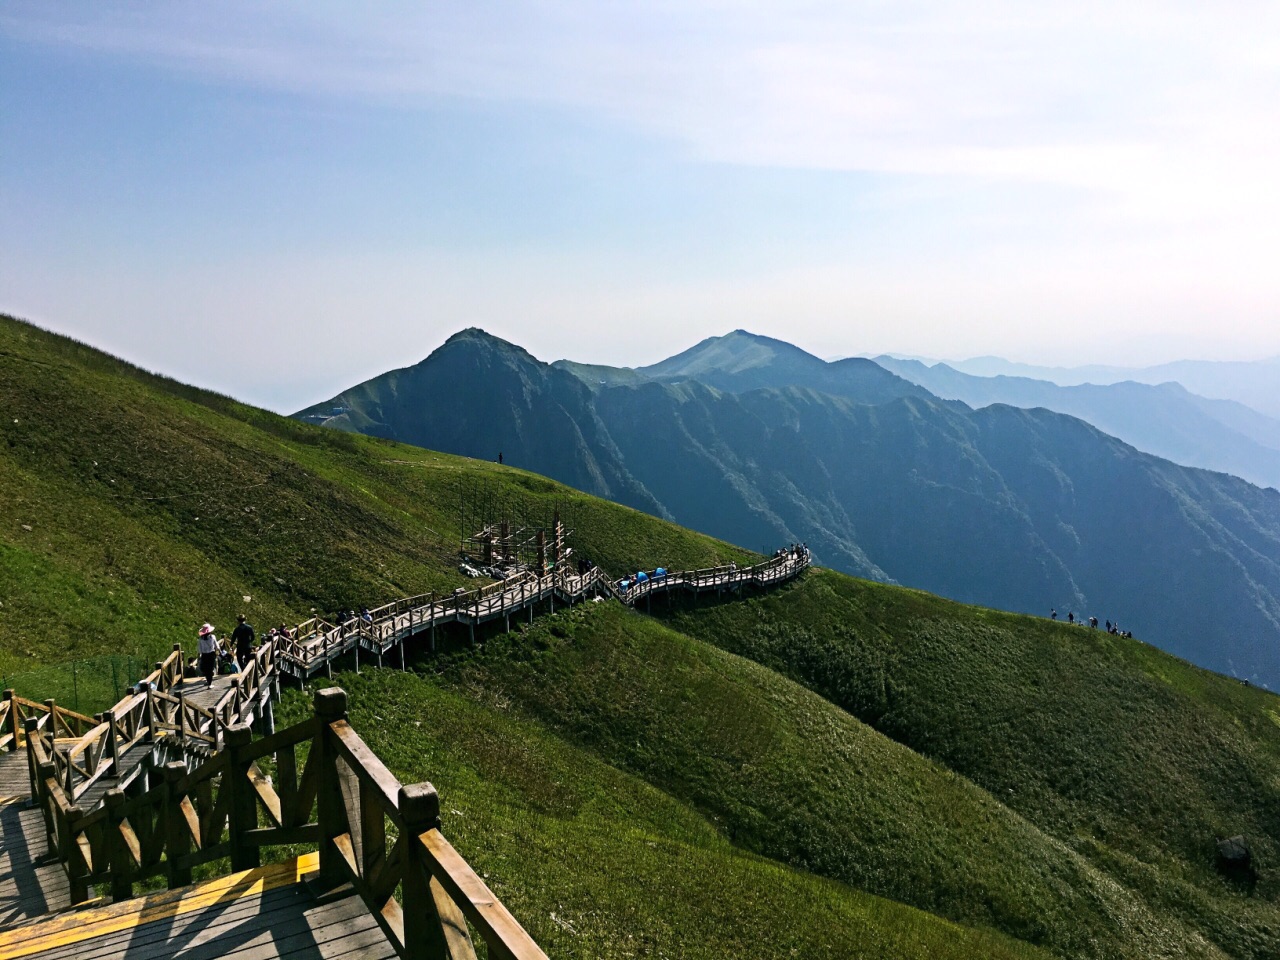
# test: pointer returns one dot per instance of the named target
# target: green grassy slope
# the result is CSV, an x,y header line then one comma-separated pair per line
x,y
786,774
135,508
1134,759
597,863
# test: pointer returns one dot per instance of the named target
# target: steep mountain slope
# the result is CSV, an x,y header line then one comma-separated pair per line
x,y
472,397
1164,419
1019,509
788,775
597,862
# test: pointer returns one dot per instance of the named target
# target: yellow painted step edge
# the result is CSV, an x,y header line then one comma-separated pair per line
x,y
86,925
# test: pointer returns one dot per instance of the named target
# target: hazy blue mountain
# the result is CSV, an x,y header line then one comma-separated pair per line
x,y
1022,509
1164,419
479,396
742,361
1255,383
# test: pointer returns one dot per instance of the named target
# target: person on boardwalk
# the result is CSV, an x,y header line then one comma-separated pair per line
x,y
208,648
242,636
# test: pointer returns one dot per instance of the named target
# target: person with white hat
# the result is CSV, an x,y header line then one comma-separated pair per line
x,y
208,647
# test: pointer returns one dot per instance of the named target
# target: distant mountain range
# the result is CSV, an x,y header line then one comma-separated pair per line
x,y
755,441
1254,383
1165,419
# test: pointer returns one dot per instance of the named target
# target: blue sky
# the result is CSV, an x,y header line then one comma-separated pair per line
x,y
278,200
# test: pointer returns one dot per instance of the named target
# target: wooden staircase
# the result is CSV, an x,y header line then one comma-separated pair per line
x,y
171,781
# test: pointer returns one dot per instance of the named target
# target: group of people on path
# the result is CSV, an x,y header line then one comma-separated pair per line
x,y
796,551
209,649
1092,622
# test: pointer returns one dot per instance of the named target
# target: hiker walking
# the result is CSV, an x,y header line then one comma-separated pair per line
x,y
208,649
242,638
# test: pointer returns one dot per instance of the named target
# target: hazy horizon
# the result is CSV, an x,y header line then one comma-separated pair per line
x,y
278,202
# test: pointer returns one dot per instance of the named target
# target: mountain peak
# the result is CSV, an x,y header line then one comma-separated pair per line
x,y
733,353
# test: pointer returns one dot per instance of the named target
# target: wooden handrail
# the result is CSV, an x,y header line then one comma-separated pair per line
x,y
340,801
204,811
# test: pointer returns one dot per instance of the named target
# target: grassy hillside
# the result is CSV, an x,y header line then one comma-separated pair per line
x,y
1133,759
136,508
598,863
787,774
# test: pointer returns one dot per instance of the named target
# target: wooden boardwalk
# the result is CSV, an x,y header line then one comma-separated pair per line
x,y
316,643
168,780
251,915
14,781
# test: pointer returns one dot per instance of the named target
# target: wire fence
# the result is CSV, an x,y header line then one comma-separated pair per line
x,y
86,686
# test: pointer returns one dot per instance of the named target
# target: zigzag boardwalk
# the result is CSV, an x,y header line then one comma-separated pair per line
x,y
171,779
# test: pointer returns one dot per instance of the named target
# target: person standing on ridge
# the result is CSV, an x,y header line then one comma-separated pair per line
x,y
208,649
242,637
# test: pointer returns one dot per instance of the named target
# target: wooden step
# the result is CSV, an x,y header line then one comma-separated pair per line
x,y
252,915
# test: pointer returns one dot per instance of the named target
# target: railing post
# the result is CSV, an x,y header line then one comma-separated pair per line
x,y
119,858
32,733
11,720
44,772
266,707
244,804
72,856
149,718
51,706
112,746
424,931
330,707
177,832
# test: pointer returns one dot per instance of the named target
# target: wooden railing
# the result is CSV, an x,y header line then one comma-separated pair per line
x,y
373,832
93,747
325,787
51,720
86,750
316,642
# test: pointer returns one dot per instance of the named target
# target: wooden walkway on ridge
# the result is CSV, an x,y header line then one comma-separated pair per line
x,y
264,911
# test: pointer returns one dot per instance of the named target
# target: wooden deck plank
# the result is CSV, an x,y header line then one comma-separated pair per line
x,y
14,780
32,881
287,927
84,925
283,913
